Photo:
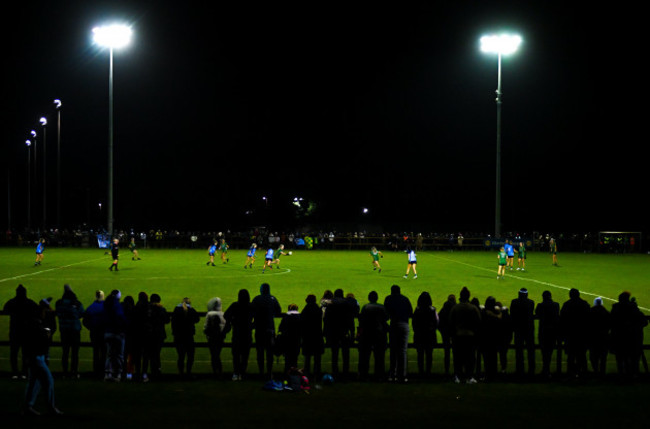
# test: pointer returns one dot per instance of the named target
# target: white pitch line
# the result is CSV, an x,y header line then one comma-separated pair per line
x,y
533,280
48,270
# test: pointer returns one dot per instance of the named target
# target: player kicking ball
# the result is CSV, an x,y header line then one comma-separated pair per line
x,y
376,254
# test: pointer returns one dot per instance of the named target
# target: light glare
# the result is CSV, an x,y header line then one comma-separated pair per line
x,y
502,44
112,36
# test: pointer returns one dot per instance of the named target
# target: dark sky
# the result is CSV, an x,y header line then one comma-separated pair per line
x,y
388,106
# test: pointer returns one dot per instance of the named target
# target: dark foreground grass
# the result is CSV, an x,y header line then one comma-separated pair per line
x,y
210,403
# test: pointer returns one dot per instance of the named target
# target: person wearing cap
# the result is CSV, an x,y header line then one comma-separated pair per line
x,y
184,318
599,325
574,317
20,309
547,313
522,311
69,311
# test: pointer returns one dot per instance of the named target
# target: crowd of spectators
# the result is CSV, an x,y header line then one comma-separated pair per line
x,y
127,335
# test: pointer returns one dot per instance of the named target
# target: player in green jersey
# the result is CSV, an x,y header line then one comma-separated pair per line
x,y
223,248
278,253
134,250
553,250
502,257
376,254
521,257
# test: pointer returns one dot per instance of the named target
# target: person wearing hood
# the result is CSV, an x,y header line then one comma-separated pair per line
x,y
20,309
265,309
598,327
69,311
214,329
184,318
239,317
289,331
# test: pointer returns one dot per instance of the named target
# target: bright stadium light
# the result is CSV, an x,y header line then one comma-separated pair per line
x,y
113,36
502,44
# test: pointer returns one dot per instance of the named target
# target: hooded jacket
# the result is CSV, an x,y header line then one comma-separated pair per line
x,y
215,324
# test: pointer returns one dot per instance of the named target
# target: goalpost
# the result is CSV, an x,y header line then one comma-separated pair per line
x,y
620,241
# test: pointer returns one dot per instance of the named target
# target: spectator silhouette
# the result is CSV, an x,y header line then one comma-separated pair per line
x,y
445,331
214,329
400,311
547,313
627,321
21,311
114,332
69,311
338,328
425,328
372,335
599,324
139,332
491,331
522,311
239,318
289,336
184,318
505,337
128,304
94,321
464,323
311,325
265,309
574,316
156,333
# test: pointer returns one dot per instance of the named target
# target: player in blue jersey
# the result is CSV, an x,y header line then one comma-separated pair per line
x,y
40,248
412,263
268,258
250,256
510,253
211,251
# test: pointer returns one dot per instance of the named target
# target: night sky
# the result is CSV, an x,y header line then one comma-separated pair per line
x,y
388,106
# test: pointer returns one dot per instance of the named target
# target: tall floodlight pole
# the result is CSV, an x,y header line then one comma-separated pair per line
x,y
57,104
112,37
503,44
43,121
28,143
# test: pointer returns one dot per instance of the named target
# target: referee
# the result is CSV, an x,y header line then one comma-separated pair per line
x,y
115,254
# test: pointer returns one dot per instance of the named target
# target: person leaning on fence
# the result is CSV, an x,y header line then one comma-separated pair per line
x,y
20,310
93,320
214,329
239,318
547,313
464,321
311,328
372,336
69,311
184,318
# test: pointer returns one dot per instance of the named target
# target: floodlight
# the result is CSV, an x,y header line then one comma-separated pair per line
x,y
112,36
502,44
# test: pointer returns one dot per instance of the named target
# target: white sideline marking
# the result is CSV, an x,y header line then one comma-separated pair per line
x,y
532,280
48,270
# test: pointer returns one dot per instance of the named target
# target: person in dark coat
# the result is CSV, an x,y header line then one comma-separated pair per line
x,y
464,324
155,335
599,324
522,313
627,322
265,309
445,332
36,349
372,336
69,311
338,329
93,320
311,327
425,328
184,318
128,304
491,321
20,310
215,330
547,313
289,332
574,316
139,332
400,311
115,324
239,318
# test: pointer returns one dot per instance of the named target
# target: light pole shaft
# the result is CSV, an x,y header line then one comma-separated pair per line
x,y
497,209
110,146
